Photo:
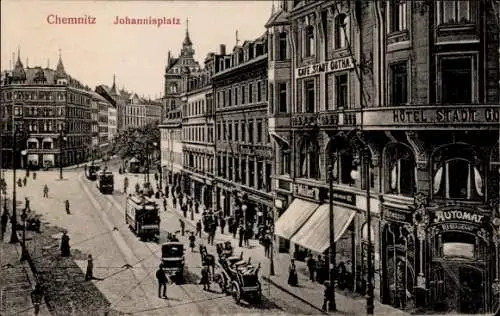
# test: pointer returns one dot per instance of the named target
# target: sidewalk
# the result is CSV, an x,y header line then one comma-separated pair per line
x,y
309,292
16,280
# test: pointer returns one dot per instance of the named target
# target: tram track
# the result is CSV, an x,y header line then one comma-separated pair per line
x,y
119,241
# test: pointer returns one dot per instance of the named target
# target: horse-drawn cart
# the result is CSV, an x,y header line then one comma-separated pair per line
x,y
238,277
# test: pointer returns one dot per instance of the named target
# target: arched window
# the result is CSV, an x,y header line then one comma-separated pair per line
x,y
341,31
282,46
457,175
309,160
401,168
309,48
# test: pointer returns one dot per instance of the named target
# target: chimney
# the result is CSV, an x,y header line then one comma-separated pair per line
x,y
222,49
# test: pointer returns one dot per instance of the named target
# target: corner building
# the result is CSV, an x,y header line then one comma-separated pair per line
x,y
171,145
48,114
242,142
402,100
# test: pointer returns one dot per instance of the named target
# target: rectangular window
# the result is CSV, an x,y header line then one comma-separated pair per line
x,y
282,97
271,99
456,80
243,89
285,162
341,91
251,173
230,167
282,46
236,96
260,175
237,177
243,132
397,11
259,131
243,171
230,131
309,94
250,132
250,93
268,178
259,91
309,41
455,12
399,84
230,97
224,130
236,134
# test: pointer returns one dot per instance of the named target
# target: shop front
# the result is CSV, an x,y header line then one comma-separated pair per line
x,y
398,258
461,258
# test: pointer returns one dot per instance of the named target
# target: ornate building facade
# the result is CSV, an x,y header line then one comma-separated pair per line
x,y
243,146
171,126
197,133
401,99
47,113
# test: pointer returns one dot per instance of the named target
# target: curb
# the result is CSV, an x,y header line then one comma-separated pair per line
x,y
269,280
31,273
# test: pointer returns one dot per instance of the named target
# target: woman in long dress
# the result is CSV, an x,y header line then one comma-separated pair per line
x,y
292,274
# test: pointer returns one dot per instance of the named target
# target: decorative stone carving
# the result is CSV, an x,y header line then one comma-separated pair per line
x,y
421,200
373,147
421,220
421,156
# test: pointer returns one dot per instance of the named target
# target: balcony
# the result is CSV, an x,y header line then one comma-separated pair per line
x,y
304,120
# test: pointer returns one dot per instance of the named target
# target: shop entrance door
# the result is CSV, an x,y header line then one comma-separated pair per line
x,y
472,292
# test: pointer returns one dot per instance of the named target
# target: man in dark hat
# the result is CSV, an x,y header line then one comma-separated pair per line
x,y
162,282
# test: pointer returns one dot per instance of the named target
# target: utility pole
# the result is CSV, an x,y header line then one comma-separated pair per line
x,y
333,248
13,237
369,295
61,152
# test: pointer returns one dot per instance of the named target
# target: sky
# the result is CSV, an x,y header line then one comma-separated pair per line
x,y
136,54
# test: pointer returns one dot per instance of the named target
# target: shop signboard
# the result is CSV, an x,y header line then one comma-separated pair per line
x,y
456,219
344,197
397,215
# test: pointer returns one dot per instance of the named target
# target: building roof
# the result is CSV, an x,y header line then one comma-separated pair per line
x,y
278,18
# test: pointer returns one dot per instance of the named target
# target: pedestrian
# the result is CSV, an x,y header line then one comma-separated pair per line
x,y
166,191
267,243
183,226
89,275
165,204
45,191
241,231
20,183
192,239
125,185
137,188
320,267
66,204
65,248
292,274
34,175
25,181
205,278
211,234
156,176
162,282
327,296
196,206
174,202
222,222
198,228
246,236
184,209
311,265
5,220
27,204
36,298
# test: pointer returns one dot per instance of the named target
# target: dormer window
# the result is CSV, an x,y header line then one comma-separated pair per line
x,y
173,88
309,41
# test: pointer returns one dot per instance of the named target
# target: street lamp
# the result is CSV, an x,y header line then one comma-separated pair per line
x,y
13,237
24,253
333,247
355,175
62,140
